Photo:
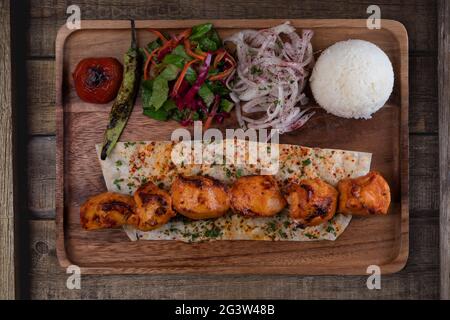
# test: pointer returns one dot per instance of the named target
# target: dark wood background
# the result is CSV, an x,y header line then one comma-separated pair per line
x,y
42,278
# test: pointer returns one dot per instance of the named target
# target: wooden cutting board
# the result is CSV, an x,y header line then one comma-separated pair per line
x,y
381,241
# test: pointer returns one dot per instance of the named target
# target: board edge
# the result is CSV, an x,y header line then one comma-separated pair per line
x,y
395,27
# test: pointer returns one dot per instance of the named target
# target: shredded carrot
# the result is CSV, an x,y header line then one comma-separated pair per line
x,y
221,75
187,46
186,33
208,123
230,59
218,58
148,61
224,74
175,40
159,35
168,44
181,76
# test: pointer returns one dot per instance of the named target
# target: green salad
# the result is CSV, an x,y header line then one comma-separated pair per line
x,y
184,77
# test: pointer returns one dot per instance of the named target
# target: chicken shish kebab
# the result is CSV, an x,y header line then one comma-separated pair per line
x,y
256,196
366,195
153,207
310,202
106,210
132,164
199,197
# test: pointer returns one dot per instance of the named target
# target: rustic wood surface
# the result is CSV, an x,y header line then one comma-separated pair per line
x,y
444,142
380,240
420,278
7,222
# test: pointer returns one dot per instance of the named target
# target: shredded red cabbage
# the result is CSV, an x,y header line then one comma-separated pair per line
x,y
184,86
189,98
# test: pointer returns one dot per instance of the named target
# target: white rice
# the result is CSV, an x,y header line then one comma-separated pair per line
x,y
352,79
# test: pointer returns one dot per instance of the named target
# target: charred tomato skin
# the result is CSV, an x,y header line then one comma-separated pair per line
x,y
97,80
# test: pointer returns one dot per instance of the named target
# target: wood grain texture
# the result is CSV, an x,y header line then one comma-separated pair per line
x,y
40,98
423,163
444,142
41,177
423,95
48,15
380,240
7,205
418,280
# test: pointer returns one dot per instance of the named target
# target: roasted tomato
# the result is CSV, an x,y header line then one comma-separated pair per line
x,y
366,195
257,196
153,207
97,80
106,210
311,201
199,197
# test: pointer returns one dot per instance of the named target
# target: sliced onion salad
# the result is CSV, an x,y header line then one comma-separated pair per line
x,y
270,77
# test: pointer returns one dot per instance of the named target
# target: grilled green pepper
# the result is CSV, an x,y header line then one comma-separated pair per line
x,y
123,105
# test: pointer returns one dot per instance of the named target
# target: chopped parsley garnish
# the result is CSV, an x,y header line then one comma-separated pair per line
x,y
271,226
117,183
255,70
213,233
194,236
144,180
306,162
129,144
173,229
118,163
310,236
228,173
279,44
239,173
330,229
282,234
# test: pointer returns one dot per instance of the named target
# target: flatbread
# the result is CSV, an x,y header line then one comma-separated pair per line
x,y
134,163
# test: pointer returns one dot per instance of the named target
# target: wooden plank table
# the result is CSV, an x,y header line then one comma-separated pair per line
x,y
7,117
41,276
444,142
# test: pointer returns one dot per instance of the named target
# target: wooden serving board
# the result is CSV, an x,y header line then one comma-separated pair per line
x,y
381,241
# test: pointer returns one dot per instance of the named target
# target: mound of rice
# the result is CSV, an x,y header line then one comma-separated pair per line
x,y
352,79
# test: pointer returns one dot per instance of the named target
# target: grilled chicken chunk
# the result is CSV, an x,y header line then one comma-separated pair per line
x,y
311,201
366,195
106,210
257,196
199,197
153,207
